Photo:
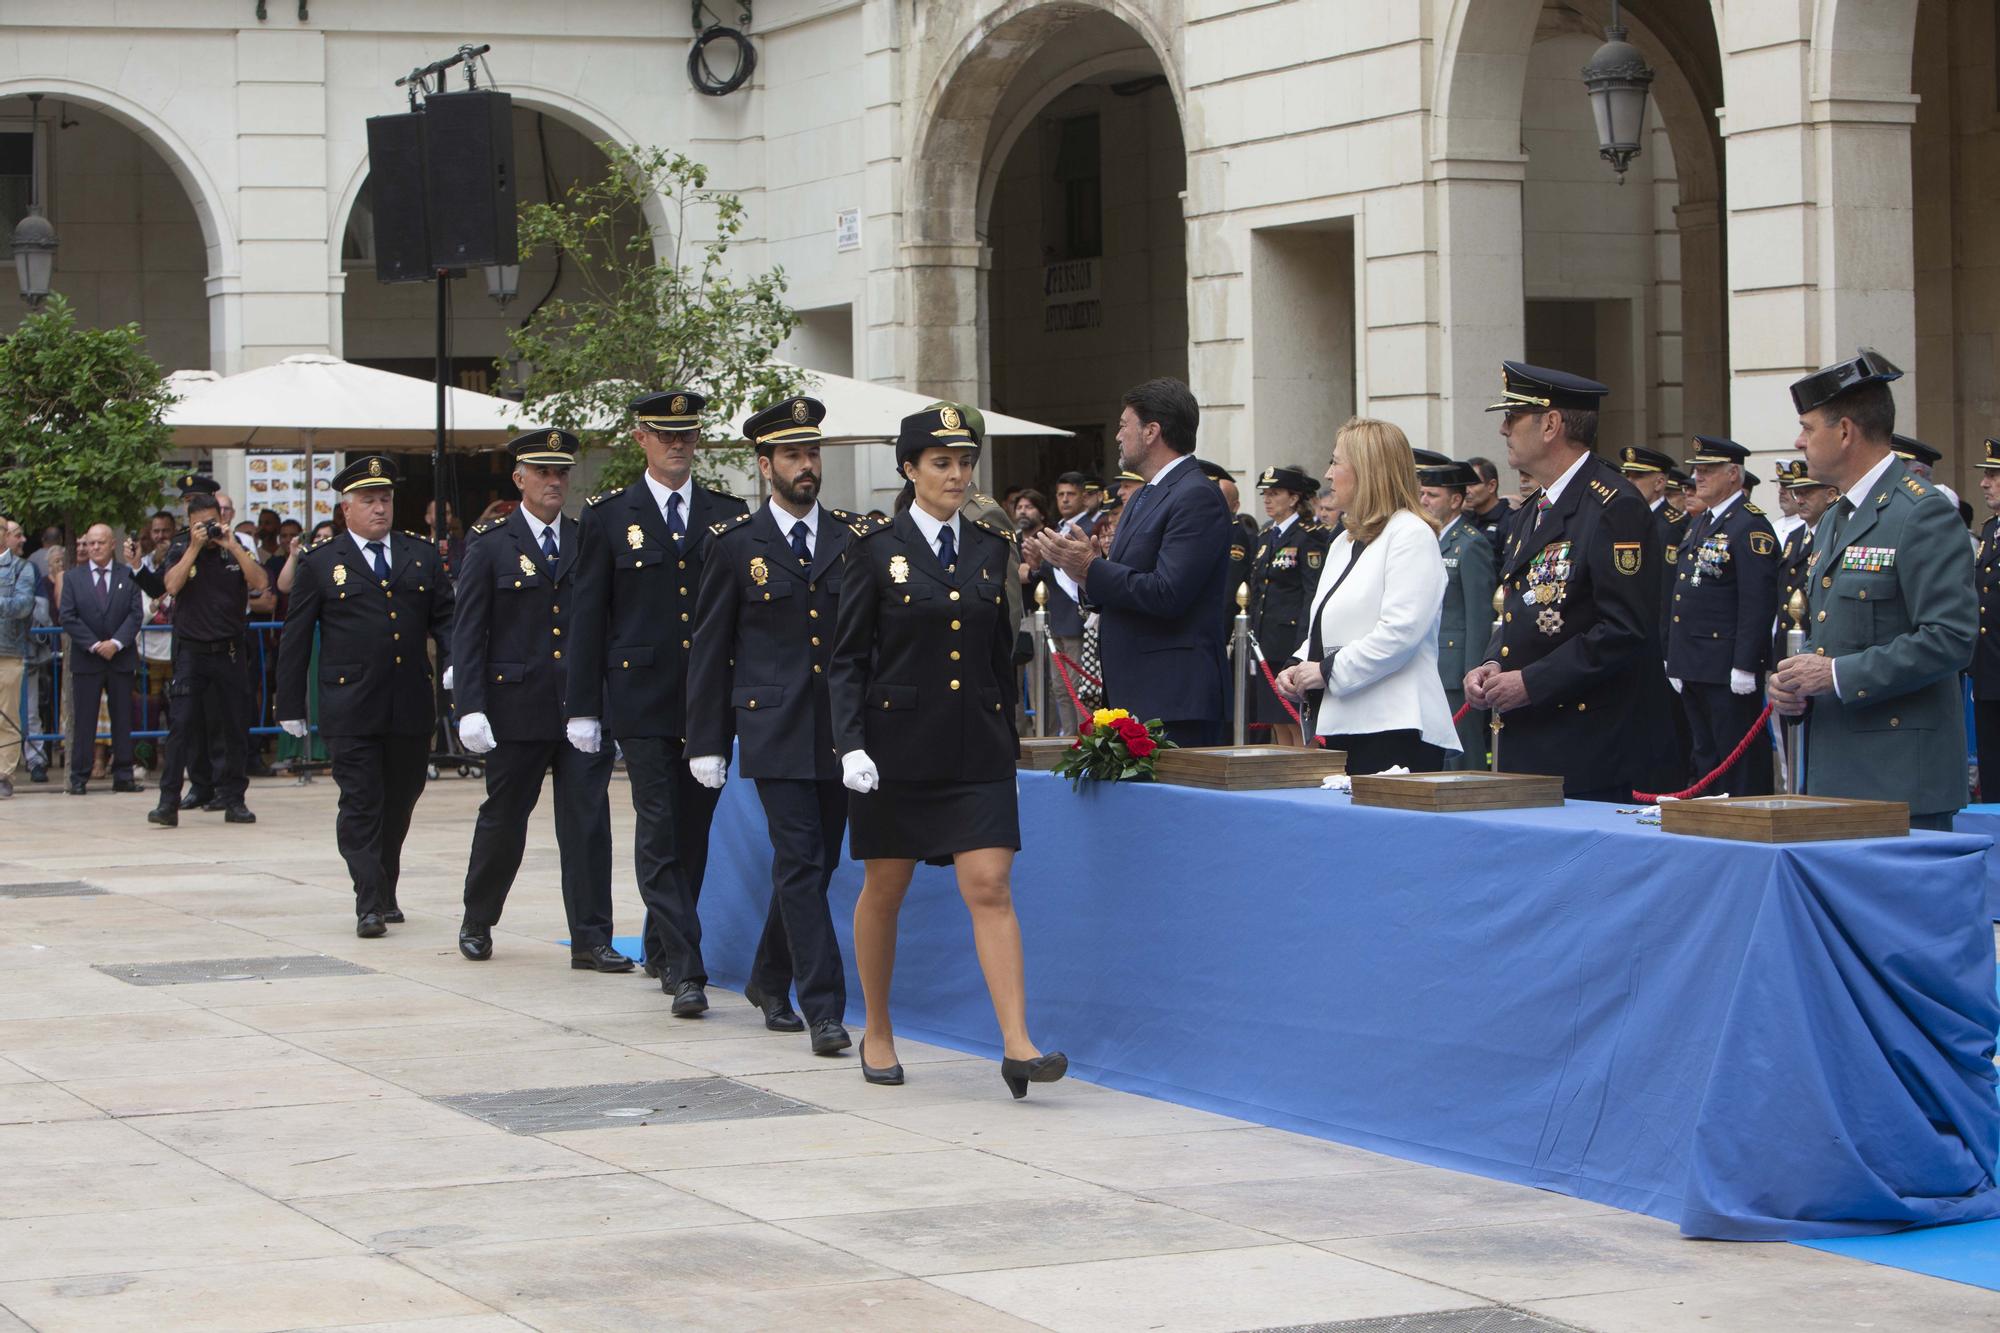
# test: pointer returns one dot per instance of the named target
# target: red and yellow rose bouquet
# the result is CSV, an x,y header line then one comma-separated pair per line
x,y
1112,746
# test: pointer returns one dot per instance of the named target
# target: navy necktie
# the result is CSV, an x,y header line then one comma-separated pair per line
x,y
381,560
549,548
947,548
674,523
103,583
799,547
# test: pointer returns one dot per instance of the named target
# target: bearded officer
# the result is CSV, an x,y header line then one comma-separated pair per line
x,y
371,598
763,638
639,558
516,598
1574,666
1718,640
1894,610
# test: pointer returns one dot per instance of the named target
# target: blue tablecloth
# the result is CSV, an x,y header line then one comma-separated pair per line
x,y
1983,821
1754,1042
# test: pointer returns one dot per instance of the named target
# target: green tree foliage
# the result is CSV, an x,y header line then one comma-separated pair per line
x,y
678,318
80,431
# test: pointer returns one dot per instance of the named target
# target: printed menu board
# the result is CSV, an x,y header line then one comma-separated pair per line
x,y
278,481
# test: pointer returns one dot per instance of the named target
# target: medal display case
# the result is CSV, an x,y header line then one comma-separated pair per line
x,y
1248,767
1785,818
1443,792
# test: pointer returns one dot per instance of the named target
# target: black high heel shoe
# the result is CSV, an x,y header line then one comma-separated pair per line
x,y
892,1077
1042,1069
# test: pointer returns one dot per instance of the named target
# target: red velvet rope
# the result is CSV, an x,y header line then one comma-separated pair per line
x,y
1459,716
1653,798
1074,702
1062,657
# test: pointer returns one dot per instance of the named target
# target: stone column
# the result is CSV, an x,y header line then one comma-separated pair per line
x,y
284,303
1480,311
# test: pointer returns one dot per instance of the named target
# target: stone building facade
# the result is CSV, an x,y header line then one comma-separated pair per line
x,y
1307,207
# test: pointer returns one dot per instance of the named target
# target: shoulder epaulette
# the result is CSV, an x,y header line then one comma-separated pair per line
x,y
1916,487
1675,515
865,526
982,498
1749,508
600,497
1605,494
1006,534
719,528
841,515
419,537
481,529
321,542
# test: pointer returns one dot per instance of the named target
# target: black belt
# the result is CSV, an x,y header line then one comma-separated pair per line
x,y
210,647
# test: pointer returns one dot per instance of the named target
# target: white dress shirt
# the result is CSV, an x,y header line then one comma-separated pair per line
x,y
536,528
786,520
368,556
931,527
1383,617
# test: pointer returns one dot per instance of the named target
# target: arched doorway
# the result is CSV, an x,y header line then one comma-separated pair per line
x,y
1049,264
137,244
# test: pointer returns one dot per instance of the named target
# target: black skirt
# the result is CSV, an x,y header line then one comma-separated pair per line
x,y
932,821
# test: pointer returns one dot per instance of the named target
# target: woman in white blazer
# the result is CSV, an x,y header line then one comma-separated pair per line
x,y
1372,632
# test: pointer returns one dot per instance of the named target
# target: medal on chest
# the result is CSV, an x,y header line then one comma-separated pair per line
x,y
1548,584
1710,558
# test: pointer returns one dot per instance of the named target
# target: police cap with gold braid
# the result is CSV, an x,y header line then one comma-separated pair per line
x,y
1716,449
1991,459
670,409
548,448
1525,388
195,483
932,428
1287,479
1792,476
1912,450
794,420
1637,460
362,473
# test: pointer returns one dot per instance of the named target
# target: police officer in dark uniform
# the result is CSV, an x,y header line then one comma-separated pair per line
x,y
516,591
1986,651
1283,572
372,597
639,559
211,578
1242,542
1574,666
1813,498
1718,630
763,637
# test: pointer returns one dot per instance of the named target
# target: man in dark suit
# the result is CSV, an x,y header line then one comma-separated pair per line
x,y
515,579
763,639
100,614
1575,664
373,598
639,558
1161,590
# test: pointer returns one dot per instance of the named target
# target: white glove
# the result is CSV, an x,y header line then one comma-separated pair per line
x,y
475,733
585,734
1742,682
297,729
1675,682
858,772
445,684
710,770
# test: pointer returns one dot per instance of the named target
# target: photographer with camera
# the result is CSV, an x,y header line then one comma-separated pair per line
x,y
211,577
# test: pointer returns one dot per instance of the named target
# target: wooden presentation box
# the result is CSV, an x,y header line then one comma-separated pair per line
x,y
1438,792
1042,751
1786,818
1249,767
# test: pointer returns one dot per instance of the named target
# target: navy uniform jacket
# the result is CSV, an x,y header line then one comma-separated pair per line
x,y
1793,562
1725,580
1285,569
1673,523
374,675
1244,544
88,618
1163,594
635,598
1494,525
510,644
1986,654
1465,621
922,676
763,639
1588,643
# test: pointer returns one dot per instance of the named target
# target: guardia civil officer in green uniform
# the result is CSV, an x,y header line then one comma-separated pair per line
x,y
1718,625
516,589
1465,621
1986,661
763,636
1895,613
1284,569
638,566
922,687
372,598
210,576
1575,665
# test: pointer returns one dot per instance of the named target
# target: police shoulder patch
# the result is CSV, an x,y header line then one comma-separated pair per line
x,y
1763,543
601,497
1625,557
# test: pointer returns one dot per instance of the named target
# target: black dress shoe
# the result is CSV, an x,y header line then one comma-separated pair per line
x,y
476,945
214,805
38,772
600,958
690,1000
78,789
394,916
778,1015
240,814
124,785
892,1077
197,800
371,926
1042,1069
653,971
165,816
829,1037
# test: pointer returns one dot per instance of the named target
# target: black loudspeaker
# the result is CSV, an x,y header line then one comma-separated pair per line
x,y
469,172
396,189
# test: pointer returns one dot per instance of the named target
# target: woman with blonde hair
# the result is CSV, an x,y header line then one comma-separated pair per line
x,y
1371,643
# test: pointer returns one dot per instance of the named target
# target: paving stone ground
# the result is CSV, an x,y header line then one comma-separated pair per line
x,y
276,1152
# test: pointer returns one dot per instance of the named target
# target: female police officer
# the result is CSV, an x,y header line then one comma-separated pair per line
x,y
1286,570
922,689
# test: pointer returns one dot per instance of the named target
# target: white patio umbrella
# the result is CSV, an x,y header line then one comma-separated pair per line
x,y
313,400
